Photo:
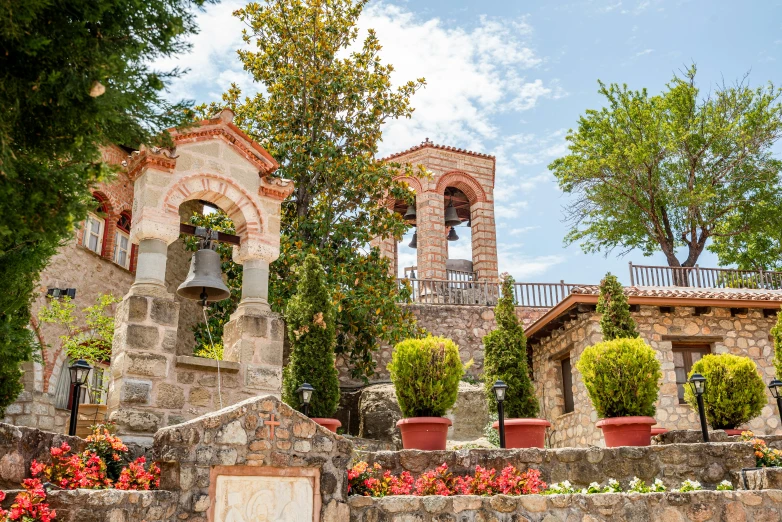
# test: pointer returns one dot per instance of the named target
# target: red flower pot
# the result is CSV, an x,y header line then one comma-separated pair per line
x,y
524,433
627,431
659,431
329,424
733,432
424,433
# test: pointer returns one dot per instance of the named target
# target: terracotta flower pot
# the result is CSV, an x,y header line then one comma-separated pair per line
x,y
524,433
424,433
659,431
627,431
329,424
733,431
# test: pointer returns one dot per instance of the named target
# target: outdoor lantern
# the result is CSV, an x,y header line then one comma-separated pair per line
x,y
697,384
414,242
452,235
410,214
451,217
775,387
79,371
305,396
500,388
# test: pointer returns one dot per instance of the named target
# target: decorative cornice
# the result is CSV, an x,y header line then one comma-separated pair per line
x,y
428,144
161,158
276,188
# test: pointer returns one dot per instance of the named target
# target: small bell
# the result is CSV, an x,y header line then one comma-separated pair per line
x,y
414,242
451,217
204,282
452,235
410,214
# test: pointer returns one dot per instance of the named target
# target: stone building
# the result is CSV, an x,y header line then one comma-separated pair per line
x,y
681,324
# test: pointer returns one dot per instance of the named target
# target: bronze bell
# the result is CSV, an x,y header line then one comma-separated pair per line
x,y
451,217
410,214
204,282
452,235
414,242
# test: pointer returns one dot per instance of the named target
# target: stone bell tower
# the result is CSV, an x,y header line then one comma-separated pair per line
x,y
150,385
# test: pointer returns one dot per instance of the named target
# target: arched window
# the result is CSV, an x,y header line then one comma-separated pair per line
x,y
122,248
95,227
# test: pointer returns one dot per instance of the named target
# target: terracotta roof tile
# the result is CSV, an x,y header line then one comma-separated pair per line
x,y
684,292
429,144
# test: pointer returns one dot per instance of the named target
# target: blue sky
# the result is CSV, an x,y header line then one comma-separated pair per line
x,y
509,78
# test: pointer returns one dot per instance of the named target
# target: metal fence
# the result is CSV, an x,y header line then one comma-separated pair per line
x,y
698,277
454,292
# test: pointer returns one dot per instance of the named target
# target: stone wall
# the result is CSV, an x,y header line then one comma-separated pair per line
x,y
465,325
20,445
709,464
745,334
108,505
729,506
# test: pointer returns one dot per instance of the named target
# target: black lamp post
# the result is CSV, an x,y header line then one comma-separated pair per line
x,y
697,384
305,396
775,387
79,370
500,388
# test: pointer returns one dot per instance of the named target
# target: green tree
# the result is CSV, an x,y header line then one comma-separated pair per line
x,y
616,321
776,335
505,358
74,76
672,170
311,330
760,248
324,100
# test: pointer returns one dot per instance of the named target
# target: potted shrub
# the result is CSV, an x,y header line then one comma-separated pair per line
x,y
622,379
426,374
505,359
735,392
311,330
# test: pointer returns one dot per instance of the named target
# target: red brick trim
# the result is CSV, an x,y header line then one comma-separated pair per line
x,y
412,182
429,144
464,182
163,159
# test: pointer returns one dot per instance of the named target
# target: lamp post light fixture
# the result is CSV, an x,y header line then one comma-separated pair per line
x,y
79,371
500,389
305,396
775,387
697,384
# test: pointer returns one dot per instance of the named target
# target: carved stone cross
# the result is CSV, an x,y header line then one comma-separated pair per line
x,y
272,424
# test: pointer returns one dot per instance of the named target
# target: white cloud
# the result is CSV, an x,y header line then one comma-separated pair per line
x,y
524,267
522,230
509,210
644,52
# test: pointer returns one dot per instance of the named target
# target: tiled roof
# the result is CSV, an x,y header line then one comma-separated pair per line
x,y
689,292
427,143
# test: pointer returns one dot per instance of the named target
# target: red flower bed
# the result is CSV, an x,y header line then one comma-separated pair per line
x,y
374,482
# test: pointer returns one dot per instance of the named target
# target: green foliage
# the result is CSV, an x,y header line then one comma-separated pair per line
x,y
219,312
323,100
209,351
776,335
759,246
616,321
56,58
673,170
311,330
735,392
505,358
426,374
622,377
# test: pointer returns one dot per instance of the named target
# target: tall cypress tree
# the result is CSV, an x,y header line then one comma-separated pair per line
x,y
776,334
616,321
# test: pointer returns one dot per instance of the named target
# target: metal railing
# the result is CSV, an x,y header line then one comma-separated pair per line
x,y
450,275
698,277
454,292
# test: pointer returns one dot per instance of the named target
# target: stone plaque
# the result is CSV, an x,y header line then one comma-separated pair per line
x,y
258,494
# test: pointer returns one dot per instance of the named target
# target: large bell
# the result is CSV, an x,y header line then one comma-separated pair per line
x,y
451,217
452,235
414,242
205,280
410,214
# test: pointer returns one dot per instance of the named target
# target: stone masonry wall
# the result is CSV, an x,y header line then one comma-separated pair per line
x,y
465,325
746,334
729,506
709,464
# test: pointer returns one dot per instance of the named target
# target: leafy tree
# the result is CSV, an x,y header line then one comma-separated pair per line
x,y
505,358
74,76
776,335
616,322
760,248
672,170
320,114
310,318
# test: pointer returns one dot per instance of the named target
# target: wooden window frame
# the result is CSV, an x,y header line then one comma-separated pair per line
x,y
118,234
567,378
687,349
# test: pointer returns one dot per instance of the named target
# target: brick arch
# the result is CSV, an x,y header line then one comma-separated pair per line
x,y
221,191
464,182
412,182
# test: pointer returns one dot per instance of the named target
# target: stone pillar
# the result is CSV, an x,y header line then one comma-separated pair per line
x,y
388,249
151,263
432,242
484,241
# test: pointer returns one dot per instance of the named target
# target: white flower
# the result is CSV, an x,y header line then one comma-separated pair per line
x,y
726,483
565,484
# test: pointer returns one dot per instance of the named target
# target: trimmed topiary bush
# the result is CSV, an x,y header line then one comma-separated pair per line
x,y
735,392
616,321
505,358
426,374
310,318
776,335
622,377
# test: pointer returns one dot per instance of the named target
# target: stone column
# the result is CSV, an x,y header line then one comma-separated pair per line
x,y
388,249
432,242
484,241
